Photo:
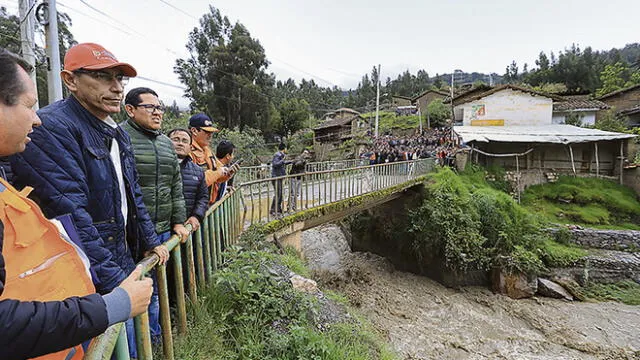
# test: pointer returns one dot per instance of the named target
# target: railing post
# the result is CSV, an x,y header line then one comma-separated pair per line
x,y
143,336
200,257
206,250
191,269
179,283
165,315
214,240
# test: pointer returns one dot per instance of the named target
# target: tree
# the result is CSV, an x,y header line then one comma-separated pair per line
x,y
612,78
293,114
225,74
10,40
439,113
610,122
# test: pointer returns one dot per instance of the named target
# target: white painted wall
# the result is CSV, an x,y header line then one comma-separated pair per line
x,y
514,107
588,117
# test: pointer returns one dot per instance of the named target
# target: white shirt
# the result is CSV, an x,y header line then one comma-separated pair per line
x,y
117,164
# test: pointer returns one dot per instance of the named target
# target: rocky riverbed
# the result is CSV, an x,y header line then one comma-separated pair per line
x,y
425,320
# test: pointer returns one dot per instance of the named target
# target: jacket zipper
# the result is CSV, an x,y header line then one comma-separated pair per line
x,y
155,151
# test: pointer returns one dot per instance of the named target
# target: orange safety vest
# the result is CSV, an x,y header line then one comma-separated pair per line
x,y
33,244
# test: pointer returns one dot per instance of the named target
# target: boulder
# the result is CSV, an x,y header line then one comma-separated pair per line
x,y
514,285
303,284
550,289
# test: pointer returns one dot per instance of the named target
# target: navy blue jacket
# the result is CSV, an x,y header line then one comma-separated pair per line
x,y
31,328
194,188
279,165
69,166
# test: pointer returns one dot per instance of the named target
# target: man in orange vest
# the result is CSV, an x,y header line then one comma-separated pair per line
x,y
45,312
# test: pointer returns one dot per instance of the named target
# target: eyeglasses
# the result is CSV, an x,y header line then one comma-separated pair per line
x,y
104,76
150,108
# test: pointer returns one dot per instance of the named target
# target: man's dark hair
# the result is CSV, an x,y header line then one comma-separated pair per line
x,y
133,96
282,146
10,85
224,148
180,130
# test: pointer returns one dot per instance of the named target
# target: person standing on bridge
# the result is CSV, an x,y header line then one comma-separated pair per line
x,y
298,167
278,169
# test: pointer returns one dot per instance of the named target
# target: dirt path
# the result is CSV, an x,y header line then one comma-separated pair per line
x,y
425,320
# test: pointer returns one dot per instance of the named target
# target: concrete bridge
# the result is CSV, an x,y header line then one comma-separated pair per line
x,y
326,193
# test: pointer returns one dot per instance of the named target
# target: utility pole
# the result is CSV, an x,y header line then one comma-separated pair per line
x,y
377,99
420,118
27,28
453,117
53,52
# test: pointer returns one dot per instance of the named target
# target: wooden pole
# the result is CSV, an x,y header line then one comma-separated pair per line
x,y
518,178
573,165
621,161
597,160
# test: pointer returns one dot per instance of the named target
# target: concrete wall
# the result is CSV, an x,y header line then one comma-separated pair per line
x,y
588,117
514,107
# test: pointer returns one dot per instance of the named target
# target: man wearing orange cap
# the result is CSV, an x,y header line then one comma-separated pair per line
x,y
81,163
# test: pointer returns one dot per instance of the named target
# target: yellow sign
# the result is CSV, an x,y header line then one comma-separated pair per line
x,y
487,122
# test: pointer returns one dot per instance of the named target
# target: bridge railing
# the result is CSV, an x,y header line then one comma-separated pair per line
x,y
276,197
195,261
259,172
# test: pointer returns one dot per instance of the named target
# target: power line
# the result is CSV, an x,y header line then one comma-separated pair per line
x,y
177,8
93,18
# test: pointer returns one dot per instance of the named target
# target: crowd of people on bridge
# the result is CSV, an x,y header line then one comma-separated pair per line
x,y
108,195
434,143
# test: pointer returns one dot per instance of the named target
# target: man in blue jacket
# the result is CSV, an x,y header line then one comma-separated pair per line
x,y
32,328
278,168
81,163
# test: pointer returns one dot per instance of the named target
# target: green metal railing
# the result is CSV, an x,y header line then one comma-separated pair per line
x,y
260,172
221,227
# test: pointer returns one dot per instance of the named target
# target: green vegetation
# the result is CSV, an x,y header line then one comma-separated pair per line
x,y
251,311
627,292
555,254
585,201
389,121
470,224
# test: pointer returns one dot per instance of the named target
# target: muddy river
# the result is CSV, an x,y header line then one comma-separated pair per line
x,y
425,320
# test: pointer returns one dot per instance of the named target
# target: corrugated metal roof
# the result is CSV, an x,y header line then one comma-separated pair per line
x,y
553,134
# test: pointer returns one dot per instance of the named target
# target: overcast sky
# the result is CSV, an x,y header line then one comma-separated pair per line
x,y
336,41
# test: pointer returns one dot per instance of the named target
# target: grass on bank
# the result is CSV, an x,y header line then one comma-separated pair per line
x,y
627,292
588,202
251,312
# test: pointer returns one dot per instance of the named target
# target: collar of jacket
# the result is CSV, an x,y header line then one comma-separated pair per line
x,y
185,160
140,129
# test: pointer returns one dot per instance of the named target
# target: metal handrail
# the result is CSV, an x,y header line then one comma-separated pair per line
x,y
257,172
222,226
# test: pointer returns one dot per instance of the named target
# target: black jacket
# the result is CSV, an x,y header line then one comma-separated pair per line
x,y
31,328
194,188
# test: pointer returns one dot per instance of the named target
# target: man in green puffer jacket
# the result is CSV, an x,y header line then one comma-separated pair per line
x,y
158,172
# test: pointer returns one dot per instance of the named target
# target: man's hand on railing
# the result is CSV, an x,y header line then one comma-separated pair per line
x,y
139,291
181,231
195,223
162,252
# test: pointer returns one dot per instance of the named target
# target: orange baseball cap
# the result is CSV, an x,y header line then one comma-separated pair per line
x,y
92,56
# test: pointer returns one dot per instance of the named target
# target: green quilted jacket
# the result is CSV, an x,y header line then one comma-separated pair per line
x,y
158,175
